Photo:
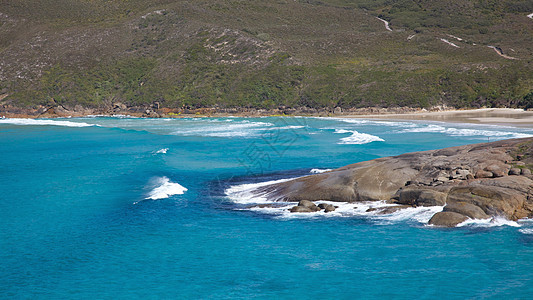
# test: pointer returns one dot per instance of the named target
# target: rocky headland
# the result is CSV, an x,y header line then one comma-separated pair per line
x,y
478,181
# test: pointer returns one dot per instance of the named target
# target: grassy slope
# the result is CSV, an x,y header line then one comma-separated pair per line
x,y
265,54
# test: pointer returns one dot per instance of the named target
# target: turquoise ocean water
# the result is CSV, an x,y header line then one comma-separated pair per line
x,y
120,207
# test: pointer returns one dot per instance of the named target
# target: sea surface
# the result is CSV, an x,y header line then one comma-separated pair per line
x,y
121,208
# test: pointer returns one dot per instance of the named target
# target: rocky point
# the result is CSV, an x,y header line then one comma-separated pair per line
x,y
478,181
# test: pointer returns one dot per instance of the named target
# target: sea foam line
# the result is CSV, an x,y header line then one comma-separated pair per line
x,y
465,132
357,121
43,122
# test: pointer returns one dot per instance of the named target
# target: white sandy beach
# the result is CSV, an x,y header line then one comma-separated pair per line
x,y
493,116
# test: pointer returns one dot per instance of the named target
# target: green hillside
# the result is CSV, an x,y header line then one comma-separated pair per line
x,y
266,54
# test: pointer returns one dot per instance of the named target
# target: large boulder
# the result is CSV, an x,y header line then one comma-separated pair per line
x,y
447,219
305,206
509,197
467,209
308,204
421,197
301,209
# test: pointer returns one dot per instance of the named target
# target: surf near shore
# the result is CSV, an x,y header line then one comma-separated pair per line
x,y
493,116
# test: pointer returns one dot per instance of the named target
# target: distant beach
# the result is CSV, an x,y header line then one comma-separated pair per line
x,y
492,116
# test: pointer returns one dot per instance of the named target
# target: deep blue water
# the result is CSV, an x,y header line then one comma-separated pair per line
x,y
75,221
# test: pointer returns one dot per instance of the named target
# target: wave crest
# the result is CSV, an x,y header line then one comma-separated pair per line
x,y
357,138
43,122
466,132
164,188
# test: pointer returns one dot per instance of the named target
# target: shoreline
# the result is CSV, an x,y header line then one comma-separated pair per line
x,y
489,116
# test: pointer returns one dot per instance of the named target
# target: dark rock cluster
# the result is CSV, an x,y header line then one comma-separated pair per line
x,y
308,206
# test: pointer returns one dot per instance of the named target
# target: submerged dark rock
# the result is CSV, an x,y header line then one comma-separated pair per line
x,y
432,178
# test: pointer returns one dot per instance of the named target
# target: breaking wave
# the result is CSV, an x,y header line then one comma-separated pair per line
x,y
248,193
163,188
403,124
227,128
432,128
526,230
43,122
250,197
492,222
357,138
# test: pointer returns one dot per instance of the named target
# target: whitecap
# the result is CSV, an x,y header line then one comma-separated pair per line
x,y
357,138
491,222
526,230
164,188
162,151
371,210
248,193
287,127
43,122
419,214
318,171
226,129
357,121
432,128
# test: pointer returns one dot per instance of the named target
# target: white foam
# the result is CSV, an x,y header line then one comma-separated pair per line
x,y
432,128
318,171
492,222
225,129
162,151
287,127
208,127
248,194
403,124
357,138
164,188
43,122
419,215
526,230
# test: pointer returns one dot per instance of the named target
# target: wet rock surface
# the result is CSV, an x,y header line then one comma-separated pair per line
x,y
308,206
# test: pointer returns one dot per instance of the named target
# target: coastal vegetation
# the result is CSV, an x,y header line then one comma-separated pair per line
x,y
257,54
